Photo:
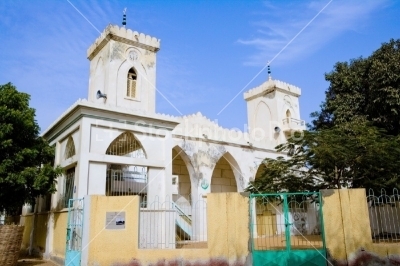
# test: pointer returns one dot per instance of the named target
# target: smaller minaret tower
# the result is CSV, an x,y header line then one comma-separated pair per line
x,y
273,111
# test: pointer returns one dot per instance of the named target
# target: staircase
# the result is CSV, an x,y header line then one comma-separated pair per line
x,y
183,224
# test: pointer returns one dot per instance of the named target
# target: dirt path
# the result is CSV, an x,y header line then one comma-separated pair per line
x,y
34,262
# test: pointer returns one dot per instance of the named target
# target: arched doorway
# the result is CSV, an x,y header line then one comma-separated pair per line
x,y
181,185
122,179
264,211
260,170
223,177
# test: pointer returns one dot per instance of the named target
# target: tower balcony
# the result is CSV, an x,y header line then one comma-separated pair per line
x,y
289,124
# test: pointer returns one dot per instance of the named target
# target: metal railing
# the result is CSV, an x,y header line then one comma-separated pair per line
x,y
384,216
288,121
165,225
126,182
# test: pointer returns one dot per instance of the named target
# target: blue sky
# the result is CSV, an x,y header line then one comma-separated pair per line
x,y
210,50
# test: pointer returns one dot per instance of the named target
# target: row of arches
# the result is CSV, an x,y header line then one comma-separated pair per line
x,y
132,179
222,178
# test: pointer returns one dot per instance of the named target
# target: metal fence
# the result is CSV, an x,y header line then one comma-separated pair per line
x,y
172,225
286,220
384,216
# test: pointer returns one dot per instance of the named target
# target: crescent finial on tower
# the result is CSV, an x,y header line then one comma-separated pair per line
x,y
269,72
124,18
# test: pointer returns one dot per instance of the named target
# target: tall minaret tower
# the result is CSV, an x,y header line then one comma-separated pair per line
x,y
123,69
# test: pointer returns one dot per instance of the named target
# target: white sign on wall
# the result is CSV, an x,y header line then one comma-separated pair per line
x,y
115,220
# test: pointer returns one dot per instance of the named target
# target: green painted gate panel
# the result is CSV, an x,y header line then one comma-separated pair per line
x,y
309,257
292,258
287,229
270,258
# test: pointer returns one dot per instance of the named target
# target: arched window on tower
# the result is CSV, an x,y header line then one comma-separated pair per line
x,y
131,84
288,117
288,114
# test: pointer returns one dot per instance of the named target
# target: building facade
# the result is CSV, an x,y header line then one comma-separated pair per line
x,y
115,143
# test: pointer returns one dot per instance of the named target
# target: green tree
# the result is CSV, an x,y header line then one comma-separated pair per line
x,y
351,155
354,139
364,89
26,169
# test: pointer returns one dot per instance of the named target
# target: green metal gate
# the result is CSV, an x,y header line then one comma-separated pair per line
x,y
287,229
74,233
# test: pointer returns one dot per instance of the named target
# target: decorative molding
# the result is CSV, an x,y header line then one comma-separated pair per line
x,y
270,86
123,35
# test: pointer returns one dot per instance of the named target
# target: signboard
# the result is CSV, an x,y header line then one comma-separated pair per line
x,y
115,220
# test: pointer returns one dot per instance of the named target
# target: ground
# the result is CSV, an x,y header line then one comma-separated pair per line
x,y
34,262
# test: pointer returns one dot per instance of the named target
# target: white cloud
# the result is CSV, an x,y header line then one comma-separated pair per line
x,y
281,23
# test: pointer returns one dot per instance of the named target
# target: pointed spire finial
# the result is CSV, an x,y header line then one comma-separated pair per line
x,y
124,18
269,72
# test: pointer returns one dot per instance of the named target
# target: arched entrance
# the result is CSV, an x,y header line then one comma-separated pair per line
x,y
260,170
181,185
122,179
223,177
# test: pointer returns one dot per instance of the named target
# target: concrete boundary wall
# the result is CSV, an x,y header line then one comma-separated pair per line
x,y
228,232
347,226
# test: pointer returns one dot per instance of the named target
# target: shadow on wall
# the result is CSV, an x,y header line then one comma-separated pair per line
x,y
366,258
178,262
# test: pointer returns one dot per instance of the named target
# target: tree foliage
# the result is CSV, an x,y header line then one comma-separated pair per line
x,y
26,169
352,155
364,89
354,140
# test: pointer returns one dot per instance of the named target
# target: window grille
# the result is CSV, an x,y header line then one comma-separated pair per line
x,y
69,148
127,182
131,84
126,145
68,186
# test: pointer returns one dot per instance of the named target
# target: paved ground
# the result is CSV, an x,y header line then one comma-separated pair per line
x,y
34,262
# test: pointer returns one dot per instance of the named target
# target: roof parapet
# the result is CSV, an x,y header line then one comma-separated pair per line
x,y
270,86
121,34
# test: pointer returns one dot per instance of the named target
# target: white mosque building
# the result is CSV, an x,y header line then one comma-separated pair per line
x,y
115,143
117,132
